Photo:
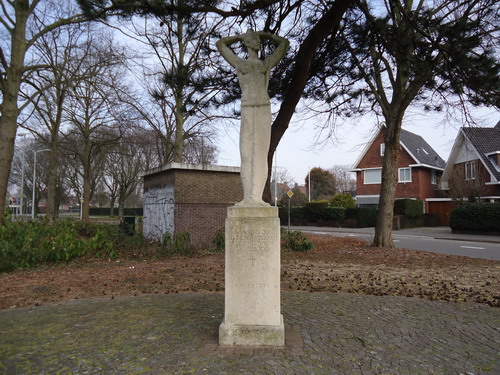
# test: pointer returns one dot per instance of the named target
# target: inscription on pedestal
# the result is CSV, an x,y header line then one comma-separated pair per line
x,y
252,277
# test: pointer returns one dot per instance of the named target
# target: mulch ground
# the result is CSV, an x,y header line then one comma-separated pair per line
x,y
334,265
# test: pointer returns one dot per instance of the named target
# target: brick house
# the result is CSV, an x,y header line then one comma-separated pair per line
x,y
473,167
189,198
419,169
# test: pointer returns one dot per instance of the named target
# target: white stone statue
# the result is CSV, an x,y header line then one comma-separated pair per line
x,y
255,129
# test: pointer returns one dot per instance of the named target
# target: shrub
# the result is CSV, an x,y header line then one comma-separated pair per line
x,y
295,241
363,216
178,244
343,200
478,217
319,214
29,244
408,207
219,241
24,245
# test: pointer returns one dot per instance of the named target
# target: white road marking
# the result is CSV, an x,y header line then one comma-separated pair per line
x,y
472,247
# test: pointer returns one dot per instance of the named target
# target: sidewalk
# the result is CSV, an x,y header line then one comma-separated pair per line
x,y
440,233
177,334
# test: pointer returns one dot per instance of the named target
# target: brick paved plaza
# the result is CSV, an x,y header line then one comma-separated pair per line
x,y
177,334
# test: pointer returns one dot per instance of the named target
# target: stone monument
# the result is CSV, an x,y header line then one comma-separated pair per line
x,y
252,315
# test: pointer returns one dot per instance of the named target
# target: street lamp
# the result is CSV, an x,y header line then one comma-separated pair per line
x,y
34,181
21,200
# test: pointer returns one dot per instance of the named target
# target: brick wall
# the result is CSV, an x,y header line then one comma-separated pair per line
x,y
482,176
195,186
202,199
201,196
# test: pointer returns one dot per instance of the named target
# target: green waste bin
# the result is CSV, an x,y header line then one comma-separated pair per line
x,y
128,224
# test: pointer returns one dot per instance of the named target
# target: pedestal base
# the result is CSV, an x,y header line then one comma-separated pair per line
x,y
255,336
252,315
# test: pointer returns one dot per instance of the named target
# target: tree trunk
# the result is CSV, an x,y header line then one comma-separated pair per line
x,y
86,196
52,183
112,207
326,26
179,132
8,126
121,208
9,110
383,229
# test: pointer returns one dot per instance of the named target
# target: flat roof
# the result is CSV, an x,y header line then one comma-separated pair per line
x,y
190,167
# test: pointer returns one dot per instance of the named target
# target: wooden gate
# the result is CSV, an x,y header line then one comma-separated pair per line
x,y
443,210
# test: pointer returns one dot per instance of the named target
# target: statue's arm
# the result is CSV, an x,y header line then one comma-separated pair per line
x,y
226,52
282,45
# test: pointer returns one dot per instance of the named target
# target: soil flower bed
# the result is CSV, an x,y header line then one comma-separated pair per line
x,y
334,265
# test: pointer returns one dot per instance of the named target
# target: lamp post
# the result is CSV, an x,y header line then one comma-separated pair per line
x,y
34,181
21,195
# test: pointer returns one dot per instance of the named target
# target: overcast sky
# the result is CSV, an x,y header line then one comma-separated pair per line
x,y
297,153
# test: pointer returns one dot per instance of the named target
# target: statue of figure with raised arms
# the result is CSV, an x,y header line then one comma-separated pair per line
x,y
255,129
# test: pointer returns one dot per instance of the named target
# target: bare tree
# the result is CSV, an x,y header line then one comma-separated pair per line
x,y
22,24
344,178
94,115
62,51
181,84
463,189
122,166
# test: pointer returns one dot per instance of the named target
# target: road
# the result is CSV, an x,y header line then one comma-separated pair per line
x,y
426,239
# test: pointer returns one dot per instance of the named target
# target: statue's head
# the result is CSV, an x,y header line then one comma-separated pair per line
x,y
251,40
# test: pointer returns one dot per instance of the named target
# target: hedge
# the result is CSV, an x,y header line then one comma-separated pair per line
x,y
104,211
364,216
477,217
315,214
408,207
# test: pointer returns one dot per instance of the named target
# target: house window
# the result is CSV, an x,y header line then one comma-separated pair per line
x,y
373,176
433,177
382,149
470,170
404,174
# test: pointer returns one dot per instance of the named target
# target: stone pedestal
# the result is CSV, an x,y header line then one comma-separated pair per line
x,y
252,314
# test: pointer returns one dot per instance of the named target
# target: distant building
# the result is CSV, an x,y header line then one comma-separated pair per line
x,y
419,169
474,164
189,198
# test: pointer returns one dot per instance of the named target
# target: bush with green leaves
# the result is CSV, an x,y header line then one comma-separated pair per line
x,y
477,217
295,241
178,244
364,217
28,244
219,241
344,200
408,207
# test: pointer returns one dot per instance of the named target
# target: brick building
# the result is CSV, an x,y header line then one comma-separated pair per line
x,y
474,165
189,198
419,169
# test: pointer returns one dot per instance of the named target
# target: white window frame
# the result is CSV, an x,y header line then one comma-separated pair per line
x,y
372,170
382,149
470,170
433,177
409,174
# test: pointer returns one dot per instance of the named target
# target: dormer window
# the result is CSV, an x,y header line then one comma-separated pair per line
x,y
495,159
